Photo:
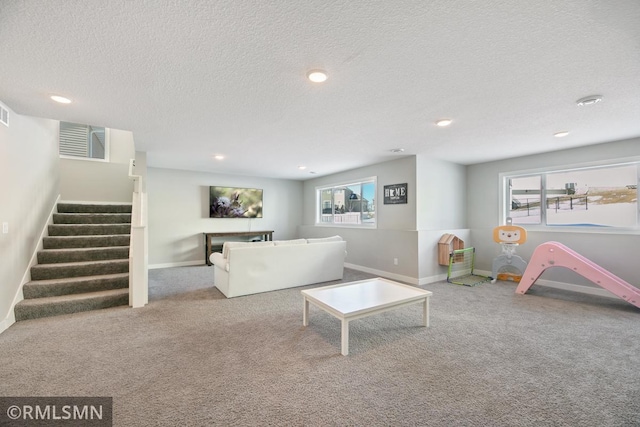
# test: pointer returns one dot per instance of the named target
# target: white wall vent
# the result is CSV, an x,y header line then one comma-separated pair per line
x,y
4,116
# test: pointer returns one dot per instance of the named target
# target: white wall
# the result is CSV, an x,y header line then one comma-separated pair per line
x,y
442,208
29,177
179,212
442,194
90,180
617,253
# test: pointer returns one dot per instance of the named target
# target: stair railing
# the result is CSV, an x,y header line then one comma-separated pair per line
x,y
138,251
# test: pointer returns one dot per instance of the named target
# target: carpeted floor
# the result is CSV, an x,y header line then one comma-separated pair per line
x,y
194,358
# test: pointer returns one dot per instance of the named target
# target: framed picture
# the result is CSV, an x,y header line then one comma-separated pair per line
x,y
231,202
395,194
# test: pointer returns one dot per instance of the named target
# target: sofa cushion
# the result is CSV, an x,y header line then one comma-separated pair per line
x,y
325,239
229,245
290,242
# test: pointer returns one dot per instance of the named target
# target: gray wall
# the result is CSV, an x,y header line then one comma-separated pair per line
x,y
410,233
617,253
91,180
141,168
29,176
179,212
389,217
395,236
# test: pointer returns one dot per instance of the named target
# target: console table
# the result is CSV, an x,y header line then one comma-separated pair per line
x,y
208,248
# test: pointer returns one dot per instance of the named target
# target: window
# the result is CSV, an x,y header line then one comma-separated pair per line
x,y
349,204
593,197
525,200
83,141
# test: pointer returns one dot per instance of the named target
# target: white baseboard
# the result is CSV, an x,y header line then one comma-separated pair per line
x,y
26,277
591,290
575,288
412,280
438,278
175,264
432,279
388,275
8,321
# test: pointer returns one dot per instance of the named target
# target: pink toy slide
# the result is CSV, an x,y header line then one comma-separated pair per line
x,y
554,254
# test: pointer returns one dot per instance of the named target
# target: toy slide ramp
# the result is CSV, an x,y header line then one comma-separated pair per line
x,y
554,254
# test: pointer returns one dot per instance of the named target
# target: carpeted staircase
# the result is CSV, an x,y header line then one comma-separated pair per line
x,y
84,264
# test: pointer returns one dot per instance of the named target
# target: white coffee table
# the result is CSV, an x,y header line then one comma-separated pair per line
x,y
355,300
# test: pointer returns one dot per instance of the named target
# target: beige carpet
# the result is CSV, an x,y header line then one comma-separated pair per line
x,y
193,358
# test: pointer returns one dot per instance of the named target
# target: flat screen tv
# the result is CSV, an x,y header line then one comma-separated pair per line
x,y
232,202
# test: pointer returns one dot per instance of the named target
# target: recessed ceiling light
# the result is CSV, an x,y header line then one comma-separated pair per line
x,y
589,100
317,76
561,134
397,150
61,99
444,122
302,167
218,157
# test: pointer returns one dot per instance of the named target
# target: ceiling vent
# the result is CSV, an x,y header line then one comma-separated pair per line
x,y
4,116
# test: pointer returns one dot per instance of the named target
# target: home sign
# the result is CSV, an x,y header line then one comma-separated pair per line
x,y
395,194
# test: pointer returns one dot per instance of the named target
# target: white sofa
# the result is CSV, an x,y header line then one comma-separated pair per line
x,y
245,268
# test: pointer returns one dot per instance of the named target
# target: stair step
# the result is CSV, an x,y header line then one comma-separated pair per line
x,y
88,229
78,269
93,208
91,218
75,285
53,256
84,264
67,304
61,242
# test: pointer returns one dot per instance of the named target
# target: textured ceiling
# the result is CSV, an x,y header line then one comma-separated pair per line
x,y
192,79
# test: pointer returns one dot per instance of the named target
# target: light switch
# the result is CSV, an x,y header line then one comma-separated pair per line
x,y
5,227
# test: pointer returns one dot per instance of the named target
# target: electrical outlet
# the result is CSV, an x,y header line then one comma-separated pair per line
x,y
5,227
395,261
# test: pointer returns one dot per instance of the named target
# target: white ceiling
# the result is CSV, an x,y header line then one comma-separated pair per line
x,y
192,79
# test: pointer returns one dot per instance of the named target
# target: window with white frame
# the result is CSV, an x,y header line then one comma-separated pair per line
x,y
593,197
347,204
